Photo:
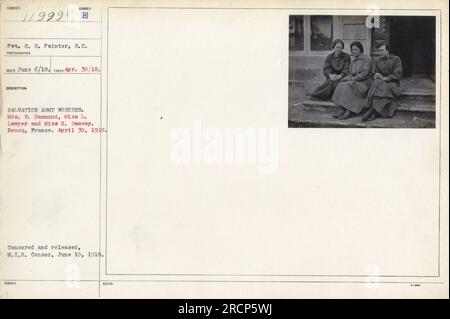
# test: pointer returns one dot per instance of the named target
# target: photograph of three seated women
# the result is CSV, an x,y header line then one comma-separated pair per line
x,y
360,86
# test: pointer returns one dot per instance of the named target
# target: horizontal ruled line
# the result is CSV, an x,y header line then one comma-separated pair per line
x,y
51,38
270,8
228,281
52,73
51,56
52,21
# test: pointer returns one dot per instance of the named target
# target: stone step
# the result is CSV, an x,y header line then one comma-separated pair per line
x,y
425,108
412,89
418,89
418,95
307,118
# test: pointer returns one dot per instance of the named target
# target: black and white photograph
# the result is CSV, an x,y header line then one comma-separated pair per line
x,y
362,71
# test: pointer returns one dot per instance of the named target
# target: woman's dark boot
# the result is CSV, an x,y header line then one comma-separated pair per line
x,y
340,113
368,115
346,115
373,116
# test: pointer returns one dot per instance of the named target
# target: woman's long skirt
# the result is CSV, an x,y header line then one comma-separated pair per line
x,y
382,96
351,95
325,91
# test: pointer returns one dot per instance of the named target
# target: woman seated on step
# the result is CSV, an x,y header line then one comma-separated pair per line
x,y
336,67
385,89
350,94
